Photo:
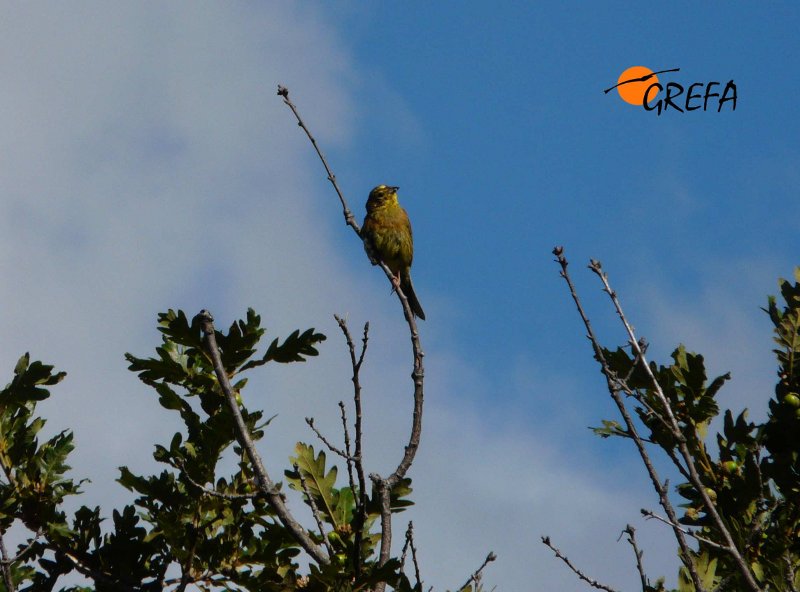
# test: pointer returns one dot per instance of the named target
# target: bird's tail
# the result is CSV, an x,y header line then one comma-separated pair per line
x,y
413,301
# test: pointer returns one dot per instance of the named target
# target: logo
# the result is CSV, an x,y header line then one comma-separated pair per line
x,y
640,86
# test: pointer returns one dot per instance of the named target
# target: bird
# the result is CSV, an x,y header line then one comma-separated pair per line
x,y
387,236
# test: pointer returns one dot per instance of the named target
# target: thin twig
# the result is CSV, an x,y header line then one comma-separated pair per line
x,y
631,532
24,551
364,341
331,447
405,551
661,490
348,215
314,510
677,433
213,492
476,575
274,497
686,531
349,457
575,570
361,500
677,462
410,543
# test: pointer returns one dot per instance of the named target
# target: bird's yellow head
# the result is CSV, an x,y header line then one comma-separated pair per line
x,y
381,196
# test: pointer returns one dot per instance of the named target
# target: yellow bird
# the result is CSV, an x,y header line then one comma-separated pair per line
x,y
387,236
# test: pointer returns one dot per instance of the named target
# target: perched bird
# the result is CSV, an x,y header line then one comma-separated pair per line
x,y
387,236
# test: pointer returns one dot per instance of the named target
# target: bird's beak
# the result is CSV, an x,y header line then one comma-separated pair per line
x,y
395,189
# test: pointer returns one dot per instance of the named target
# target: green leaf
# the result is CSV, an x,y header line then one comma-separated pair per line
x,y
610,428
320,483
295,348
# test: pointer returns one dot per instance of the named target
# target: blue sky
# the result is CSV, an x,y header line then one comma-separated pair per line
x,y
514,149
147,164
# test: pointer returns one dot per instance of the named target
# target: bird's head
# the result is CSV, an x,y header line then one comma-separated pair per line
x,y
381,196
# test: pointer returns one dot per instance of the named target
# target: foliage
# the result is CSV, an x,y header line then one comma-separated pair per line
x,y
188,525
753,482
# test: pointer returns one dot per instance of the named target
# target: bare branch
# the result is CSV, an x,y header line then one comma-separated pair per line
x,y
576,571
677,433
418,376
678,464
364,341
361,501
349,457
477,574
348,215
384,497
631,532
611,383
410,544
331,447
266,485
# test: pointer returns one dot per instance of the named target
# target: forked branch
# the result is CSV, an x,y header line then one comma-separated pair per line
x,y
677,433
265,484
614,389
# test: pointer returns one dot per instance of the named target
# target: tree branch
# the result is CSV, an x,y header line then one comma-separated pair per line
x,y
266,485
410,544
349,219
476,575
661,490
686,531
385,500
349,458
631,532
213,492
331,447
688,459
576,571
